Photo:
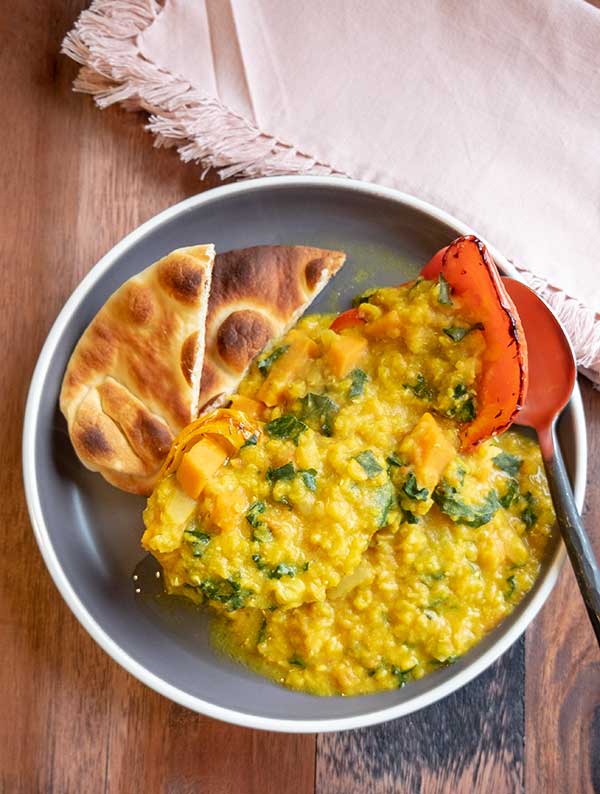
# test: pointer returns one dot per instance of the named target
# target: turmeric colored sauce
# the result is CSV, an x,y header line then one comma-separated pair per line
x,y
349,546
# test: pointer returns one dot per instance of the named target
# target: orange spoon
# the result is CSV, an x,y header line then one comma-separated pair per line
x,y
552,374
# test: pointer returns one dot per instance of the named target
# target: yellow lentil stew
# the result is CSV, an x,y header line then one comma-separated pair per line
x,y
348,545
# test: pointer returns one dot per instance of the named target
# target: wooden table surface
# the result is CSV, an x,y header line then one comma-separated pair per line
x,y
74,180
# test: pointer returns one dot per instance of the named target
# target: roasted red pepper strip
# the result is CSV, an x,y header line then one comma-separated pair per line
x,y
346,320
472,275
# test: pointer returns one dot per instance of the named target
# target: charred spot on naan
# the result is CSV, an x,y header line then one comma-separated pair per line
x,y
242,335
180,277
140,304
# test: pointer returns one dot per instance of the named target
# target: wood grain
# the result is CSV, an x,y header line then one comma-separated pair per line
x,y
563,666
471,741
73,181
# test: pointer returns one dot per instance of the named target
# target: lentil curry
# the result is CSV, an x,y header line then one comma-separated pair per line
x,y
345,534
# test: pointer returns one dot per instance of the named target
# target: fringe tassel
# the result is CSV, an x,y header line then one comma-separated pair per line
x,y
581,322
205,131
201,128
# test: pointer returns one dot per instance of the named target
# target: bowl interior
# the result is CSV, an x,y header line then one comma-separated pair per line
x,y
95,530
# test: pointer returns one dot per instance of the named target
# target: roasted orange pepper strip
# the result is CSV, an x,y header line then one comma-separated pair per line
x,y
472,275
347,319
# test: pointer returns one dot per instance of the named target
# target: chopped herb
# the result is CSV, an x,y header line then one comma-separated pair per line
x,y
396,460
412,490
444,291
201,536
262,632
460,474
362,298
529,516
309,478
297,662
252,516
420,388
511,464
358,378
285,472
286,426
225,591
403,676
320,410
283,569
465,412
265,364
410,518
458,333
446,498
459,390
262,534
250,442
511,493
279,570
200,539
385,499
512,586
438,575
369,463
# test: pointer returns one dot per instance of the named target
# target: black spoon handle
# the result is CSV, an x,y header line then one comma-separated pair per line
x,y
575,537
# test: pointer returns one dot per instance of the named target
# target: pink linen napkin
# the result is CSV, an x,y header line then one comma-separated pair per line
x,y
488,110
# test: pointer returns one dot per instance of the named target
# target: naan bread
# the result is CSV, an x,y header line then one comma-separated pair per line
x,y
132,382
256,295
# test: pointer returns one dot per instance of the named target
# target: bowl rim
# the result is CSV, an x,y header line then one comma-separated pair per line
x,y
96,631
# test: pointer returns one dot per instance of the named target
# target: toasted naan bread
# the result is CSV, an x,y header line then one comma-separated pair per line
x,y
256,295
132,382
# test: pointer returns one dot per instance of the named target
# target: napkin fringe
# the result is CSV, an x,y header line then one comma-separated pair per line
x,y
200,127
583,323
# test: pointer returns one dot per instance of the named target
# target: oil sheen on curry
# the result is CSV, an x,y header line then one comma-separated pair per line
x,y
356,518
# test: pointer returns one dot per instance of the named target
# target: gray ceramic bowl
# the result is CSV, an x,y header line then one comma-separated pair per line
x,y
89,532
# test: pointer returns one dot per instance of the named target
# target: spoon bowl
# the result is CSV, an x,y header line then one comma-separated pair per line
x,y
552,374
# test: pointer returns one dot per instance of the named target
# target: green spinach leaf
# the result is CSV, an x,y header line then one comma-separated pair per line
x,y
511,493
420,388
319,410
309,478
444,291
225,591
412,490
286,426
265,364
252,516
285,472
358,378
369,463
511,464
457,333
447,499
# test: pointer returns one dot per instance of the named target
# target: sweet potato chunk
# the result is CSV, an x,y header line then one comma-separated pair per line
x,y
345,353
287,367
252,408
198,465
472,275
429,450
388,325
